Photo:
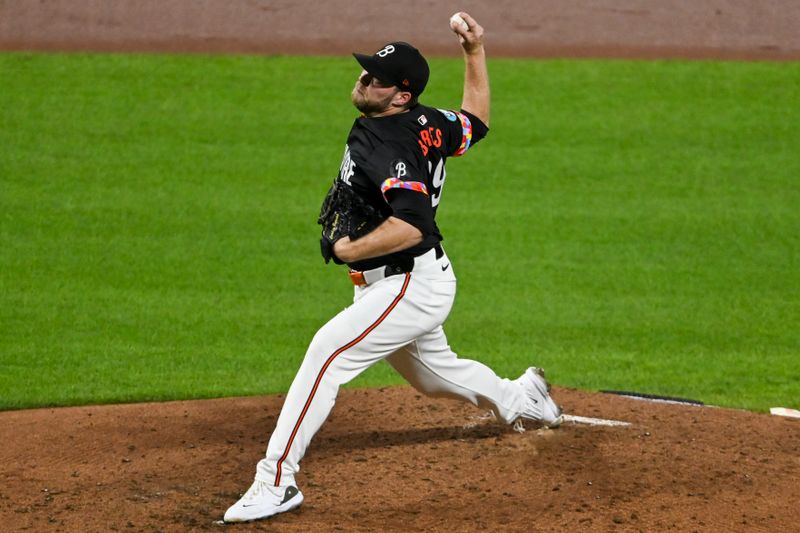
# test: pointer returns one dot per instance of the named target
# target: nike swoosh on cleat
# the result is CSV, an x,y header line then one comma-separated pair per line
x,y
445,267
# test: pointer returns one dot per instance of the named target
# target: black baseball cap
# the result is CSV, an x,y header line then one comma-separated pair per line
x,y
398,63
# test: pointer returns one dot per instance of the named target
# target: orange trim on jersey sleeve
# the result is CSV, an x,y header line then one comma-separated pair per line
x,y
394,183
466,134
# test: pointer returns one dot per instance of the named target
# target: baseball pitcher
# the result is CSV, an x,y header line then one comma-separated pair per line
x,y
379,218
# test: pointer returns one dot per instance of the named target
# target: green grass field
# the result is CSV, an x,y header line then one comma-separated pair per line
x,y
626,225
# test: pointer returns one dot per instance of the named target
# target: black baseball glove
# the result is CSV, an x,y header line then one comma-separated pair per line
x,y
344,213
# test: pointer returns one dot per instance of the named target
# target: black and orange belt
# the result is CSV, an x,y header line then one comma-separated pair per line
x,y
362,278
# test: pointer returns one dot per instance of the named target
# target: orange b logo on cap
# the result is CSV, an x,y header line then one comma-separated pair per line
x,y
406,83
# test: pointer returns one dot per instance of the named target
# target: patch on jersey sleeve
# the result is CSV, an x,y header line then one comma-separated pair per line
x,y
466,134
394,183
449,114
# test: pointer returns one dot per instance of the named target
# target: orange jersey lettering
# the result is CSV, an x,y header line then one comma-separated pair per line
x,y
429,137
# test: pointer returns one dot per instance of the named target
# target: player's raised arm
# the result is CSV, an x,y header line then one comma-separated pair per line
x,y
476,76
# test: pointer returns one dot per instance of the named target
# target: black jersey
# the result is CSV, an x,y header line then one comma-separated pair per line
x,y
397,164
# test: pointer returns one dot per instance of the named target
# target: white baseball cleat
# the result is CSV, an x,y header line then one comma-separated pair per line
x,y
262,501
539,406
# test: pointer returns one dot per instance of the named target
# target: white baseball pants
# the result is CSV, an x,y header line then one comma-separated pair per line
x,y
398,319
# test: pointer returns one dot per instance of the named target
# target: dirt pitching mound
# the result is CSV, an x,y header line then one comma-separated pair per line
x,y
392,460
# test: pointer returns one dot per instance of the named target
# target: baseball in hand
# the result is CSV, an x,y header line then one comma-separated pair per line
x,y
456,21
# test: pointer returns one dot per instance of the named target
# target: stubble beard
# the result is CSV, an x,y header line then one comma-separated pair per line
x,y
369,107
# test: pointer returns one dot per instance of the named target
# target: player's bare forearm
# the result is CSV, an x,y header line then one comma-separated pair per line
x,y
477,95
476,85
393,235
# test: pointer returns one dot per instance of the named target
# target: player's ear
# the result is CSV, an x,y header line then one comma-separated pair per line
x,y
402,98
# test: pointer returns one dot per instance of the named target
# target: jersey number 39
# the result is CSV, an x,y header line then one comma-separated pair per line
x,y
437,180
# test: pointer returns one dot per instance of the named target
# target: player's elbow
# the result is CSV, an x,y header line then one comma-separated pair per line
x,y
480,112
408,234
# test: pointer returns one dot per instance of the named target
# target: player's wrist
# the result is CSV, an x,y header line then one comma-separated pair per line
x,y
342,249
474,51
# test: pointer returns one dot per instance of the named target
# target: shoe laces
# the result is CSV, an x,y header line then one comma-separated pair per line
x,y
256,489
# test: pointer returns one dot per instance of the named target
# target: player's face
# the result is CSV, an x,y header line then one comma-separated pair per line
x,y
371,95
